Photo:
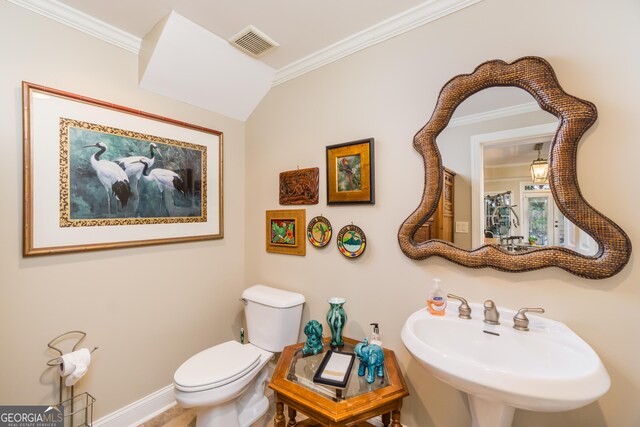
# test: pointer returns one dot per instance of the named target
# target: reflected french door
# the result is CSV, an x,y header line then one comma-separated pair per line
x,y
543,221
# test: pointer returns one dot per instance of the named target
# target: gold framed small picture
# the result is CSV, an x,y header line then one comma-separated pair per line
x,y
350,173
285,231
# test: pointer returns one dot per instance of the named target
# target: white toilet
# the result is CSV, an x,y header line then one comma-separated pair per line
x,y
226,382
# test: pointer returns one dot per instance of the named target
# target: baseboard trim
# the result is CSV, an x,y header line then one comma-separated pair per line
x,y
153,405
141,410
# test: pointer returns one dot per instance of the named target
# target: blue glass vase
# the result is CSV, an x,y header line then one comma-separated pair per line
x,y
336,319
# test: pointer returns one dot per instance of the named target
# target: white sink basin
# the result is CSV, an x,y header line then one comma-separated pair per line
x,y
548,368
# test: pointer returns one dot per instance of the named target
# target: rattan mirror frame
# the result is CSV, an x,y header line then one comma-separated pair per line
x,y
534,75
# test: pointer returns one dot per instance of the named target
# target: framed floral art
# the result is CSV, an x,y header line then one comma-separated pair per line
x,y
285,231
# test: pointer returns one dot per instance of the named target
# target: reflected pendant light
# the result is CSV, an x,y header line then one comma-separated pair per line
x,y
539,168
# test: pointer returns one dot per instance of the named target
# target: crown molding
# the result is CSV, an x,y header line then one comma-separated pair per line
x,y
394,26
513,178
507,165
81,21
495,114
415,17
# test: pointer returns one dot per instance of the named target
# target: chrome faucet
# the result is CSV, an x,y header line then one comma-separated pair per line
x,y
520,320
491,315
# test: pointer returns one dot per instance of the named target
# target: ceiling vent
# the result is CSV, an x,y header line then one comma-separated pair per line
x,y
253,41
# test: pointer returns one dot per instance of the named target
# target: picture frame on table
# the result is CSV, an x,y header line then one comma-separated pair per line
x,y
101,176
335,369
350,173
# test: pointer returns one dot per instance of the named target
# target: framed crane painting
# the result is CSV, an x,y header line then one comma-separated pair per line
x,y
100,176
350,173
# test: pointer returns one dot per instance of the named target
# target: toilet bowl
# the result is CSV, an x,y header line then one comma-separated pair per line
x,y
226,382
213,379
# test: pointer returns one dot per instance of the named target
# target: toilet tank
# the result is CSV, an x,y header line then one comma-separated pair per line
x,y
273,317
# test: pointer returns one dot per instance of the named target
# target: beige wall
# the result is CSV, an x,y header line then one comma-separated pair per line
x,y
148,309
388,92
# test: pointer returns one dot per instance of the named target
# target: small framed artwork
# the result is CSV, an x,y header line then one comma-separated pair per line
x,y
101,176
335,368
350,173
285,231
319,231
299,187
351,241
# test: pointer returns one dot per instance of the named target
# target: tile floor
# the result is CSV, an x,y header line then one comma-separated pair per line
x,y
180,417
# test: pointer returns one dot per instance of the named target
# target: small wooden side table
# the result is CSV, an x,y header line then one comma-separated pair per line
x,y
292,382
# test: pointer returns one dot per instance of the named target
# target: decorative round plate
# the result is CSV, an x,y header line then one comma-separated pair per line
x,y
351,241
319,231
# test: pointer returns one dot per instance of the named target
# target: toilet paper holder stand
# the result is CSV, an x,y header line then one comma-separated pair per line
x,y
88,400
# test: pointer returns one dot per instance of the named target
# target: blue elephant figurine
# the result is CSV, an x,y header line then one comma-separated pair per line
x,y
371,359
313,331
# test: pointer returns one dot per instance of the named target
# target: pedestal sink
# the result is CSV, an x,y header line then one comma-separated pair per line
x,y
548,368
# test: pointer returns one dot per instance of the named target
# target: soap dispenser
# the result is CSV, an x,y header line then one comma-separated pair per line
x,y
376,338
436,302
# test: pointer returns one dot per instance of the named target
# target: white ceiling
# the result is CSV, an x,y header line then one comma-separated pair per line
x,y
310,34
301,27
514,154
501,103
494,99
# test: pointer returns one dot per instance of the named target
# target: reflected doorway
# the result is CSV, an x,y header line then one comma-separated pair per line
x,y
543,223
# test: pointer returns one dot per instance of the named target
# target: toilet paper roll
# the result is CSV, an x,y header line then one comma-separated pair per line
x,y
71,361
75,376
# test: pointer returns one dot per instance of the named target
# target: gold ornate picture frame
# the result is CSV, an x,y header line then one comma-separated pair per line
x,y
350,173
285,231
101,176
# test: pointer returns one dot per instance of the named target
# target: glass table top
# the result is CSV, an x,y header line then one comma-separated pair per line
x,y
303,368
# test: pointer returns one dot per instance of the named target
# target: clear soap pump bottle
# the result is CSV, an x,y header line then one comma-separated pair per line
x,y
436,301
376,338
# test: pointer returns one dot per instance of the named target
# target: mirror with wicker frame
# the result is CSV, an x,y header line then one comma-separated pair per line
x,y
575,117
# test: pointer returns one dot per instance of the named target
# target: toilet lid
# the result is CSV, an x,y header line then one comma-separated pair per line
x,y
216,366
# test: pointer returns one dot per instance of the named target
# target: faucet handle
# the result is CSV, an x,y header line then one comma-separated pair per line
x,y
491,314
464,311
521,321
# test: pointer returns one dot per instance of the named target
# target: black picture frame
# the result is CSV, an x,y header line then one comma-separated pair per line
x,y
361,181
317,378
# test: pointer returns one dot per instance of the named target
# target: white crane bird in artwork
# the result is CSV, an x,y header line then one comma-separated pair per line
x,y
132,165
164,179
133,168
111,176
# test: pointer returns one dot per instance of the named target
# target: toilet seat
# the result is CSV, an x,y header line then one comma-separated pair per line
x,y
216,366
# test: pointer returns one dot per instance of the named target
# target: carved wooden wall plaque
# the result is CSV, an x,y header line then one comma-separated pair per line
x,y
299,187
